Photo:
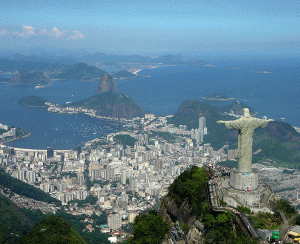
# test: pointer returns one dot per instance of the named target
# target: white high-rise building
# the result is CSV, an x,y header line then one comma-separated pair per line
x,y
114,221
31,176
123,176
202,125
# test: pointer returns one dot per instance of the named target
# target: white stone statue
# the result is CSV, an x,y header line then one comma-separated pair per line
x,y
245,126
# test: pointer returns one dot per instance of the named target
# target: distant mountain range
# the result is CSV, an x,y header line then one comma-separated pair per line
x,y
165,60
44,61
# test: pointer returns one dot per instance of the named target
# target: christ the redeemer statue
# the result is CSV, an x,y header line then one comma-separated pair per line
x,y
245,126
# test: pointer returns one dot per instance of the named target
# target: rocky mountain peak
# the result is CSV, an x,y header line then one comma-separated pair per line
x,y
106,83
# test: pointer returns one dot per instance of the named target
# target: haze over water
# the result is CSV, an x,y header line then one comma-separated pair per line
x,y
274,94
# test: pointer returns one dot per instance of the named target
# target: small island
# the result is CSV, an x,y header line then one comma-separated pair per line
x,y
218,97
123,74
33,101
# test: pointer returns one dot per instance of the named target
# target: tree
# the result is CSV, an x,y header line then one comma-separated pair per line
x,y
149,229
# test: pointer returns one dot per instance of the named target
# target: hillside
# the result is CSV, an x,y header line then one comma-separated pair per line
x,y
111,104
32,101
185,209
13,222
80,71
21,188
29,78
123,74
13,64
53,230
279,142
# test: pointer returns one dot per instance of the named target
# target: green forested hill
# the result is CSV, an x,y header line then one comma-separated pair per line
x,y
13,222
80,71
123,74
33,101
53,230
111,104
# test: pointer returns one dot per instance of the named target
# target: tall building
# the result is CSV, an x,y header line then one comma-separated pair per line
x,y
81,179
50,152
31,176
123,176
114,221
202,125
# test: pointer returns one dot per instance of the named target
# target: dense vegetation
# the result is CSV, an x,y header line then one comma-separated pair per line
x,y
123,74
190,186
13,223
80,71
21,188
265,221
164,135
149,228
53,229
89,200
283,205
76,221
125,140
219,228
33,101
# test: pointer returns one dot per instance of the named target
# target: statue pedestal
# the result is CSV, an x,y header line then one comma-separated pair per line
x,y
243,181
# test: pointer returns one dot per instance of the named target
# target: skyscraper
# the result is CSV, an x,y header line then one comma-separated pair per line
x,y
202,125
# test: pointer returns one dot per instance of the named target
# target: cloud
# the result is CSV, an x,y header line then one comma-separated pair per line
x,y
55,32
27,31
77,35
4,32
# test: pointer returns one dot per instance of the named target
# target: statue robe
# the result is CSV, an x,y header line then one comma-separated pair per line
x,y
245,127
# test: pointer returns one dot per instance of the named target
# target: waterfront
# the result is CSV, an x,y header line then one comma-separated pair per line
x,y
274,94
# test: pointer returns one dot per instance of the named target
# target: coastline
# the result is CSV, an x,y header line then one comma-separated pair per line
x,y
219,99
14,139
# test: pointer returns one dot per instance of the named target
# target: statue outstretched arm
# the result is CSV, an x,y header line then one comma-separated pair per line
x,y
270,120
221,121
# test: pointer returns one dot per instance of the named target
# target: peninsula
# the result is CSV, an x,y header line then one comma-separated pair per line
x,y
11,133
33,101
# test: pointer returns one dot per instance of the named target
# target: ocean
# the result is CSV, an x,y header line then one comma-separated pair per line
x,y
274,94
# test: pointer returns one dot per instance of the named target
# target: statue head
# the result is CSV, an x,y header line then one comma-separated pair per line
x,y
247,113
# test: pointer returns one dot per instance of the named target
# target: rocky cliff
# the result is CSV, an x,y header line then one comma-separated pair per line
x,y
106,84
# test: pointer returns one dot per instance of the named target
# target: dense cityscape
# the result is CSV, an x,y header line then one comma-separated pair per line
x,y
126,172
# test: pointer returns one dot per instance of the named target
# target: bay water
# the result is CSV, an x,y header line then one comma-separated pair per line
x,y
274,94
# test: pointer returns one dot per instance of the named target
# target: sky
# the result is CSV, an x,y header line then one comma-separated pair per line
x,y
208,27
